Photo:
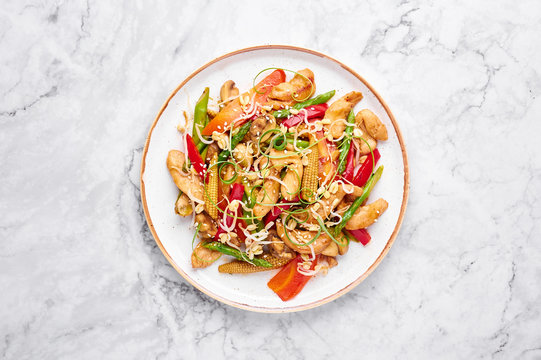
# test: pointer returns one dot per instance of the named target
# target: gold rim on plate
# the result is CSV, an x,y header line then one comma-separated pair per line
x,y
341,291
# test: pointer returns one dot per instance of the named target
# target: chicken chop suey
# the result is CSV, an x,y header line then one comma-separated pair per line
x,y
278,177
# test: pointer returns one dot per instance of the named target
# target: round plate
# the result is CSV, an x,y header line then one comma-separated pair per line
x,y
173,234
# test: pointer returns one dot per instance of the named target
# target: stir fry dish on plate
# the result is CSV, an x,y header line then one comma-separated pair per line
x,y
278,178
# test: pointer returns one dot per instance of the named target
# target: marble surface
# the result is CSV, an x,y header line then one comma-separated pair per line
x,y
81,276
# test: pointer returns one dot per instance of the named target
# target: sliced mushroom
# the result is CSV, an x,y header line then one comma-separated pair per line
x,y
213,149
260,126
228,91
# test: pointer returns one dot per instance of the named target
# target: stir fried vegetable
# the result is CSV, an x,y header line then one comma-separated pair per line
x,y
228,250
360,235
310,178
358,202
346,143
308,113
347,174
212,189
278,209
195,157
320,99
243,267
366,168
230,215
233,112
235,140
200,118
289,281
278,178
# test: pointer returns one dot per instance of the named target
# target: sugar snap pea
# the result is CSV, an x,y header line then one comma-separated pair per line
x,y
200,117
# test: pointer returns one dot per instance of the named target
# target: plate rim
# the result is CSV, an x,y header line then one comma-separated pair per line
x,y
340,292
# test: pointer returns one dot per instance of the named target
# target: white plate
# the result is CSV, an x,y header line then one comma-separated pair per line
x,y
172,233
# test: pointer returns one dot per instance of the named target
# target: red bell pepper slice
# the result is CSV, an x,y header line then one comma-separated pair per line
x,y
366,168
350,165
288,282
237,191
313,111
361,235
195,157
233,111
278,209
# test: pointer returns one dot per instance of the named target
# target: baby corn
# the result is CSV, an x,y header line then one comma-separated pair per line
x,y
212,189
310,176
242,267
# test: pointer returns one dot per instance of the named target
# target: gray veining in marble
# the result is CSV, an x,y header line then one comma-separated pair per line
x,y
81,276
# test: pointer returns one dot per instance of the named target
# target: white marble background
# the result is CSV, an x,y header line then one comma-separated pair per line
x,y
81,276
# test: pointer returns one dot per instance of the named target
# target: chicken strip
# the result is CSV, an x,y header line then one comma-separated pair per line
x,y
338,112
301,87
